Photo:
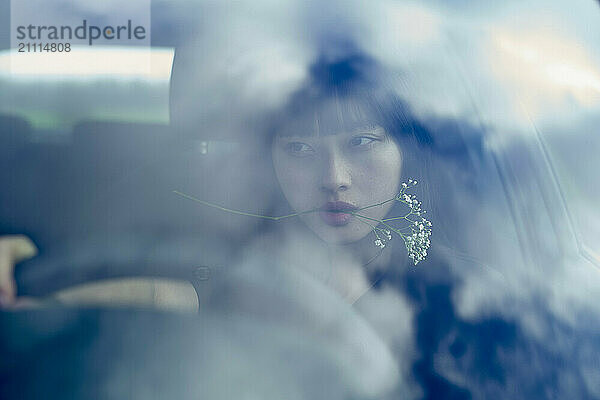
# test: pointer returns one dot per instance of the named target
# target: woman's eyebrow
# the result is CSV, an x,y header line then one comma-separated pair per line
x,y
373,129
363,129
296,137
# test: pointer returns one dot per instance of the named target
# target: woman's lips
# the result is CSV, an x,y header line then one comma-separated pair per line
x,y
337,213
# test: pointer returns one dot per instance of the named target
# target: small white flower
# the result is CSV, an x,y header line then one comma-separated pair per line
x,y
417,242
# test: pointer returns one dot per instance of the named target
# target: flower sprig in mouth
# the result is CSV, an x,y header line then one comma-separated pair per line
x,y
415,233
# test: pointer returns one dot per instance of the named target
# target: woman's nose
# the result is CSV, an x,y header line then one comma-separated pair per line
x,y
336,174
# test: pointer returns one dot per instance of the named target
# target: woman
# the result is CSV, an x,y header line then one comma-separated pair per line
x,y
343,149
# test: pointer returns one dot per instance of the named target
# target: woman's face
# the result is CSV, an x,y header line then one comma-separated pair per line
x,y
341,172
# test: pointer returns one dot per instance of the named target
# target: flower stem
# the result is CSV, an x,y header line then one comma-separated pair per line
x,y
218,207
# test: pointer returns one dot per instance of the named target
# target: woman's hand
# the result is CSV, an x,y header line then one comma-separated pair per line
x,y
13,249
141,292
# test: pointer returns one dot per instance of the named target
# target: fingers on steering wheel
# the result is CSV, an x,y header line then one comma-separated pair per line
x,y
13,249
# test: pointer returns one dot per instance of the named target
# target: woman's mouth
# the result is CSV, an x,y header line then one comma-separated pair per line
x,y
337,213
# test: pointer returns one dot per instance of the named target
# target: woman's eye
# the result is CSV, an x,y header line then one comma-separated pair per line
x,y
299,149
361,141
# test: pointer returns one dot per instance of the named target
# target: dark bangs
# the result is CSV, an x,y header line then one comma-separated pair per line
x,y
346,96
